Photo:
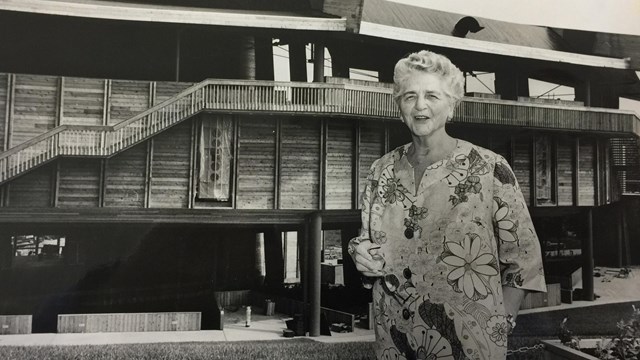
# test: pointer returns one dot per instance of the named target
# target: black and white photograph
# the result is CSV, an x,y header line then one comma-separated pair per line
x,y
320,179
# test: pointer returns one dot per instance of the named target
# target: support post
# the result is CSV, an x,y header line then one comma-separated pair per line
x,y
318,63
315,247
587,260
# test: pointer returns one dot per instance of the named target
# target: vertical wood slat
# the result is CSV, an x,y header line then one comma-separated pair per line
x,y
234,163
192,164
129,322
322,176
355,178
15,324
576,174
60,107
278,164
10,112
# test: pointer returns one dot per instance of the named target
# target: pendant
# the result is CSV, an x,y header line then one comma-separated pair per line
x,y
408,233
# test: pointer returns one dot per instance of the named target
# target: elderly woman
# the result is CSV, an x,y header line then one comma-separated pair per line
x,y
447,240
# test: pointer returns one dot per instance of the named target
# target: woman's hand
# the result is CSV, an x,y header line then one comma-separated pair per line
x,y
367,256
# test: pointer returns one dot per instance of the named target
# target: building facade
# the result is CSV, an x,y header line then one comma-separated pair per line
x,y
150,159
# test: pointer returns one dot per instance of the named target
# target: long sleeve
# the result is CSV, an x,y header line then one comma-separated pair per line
x,y
518,246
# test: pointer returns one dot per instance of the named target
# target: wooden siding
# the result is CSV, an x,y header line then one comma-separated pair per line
x,y
256,163
339,169
35,107
34,189
300,169
129,322
522,164
170,168
565,170
371,148
586,173
127,99
15,324
166,90
83,101
79,183
4,108
125,178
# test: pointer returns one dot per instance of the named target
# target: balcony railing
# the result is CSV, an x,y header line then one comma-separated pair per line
x,y
289,97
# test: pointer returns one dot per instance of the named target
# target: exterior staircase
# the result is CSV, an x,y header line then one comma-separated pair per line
x,y
210,95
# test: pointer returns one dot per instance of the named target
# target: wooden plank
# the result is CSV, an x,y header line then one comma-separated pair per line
x,y
15,324
34,107
299,176
125,178
565,171
129,322
5,101
170,168
256,163
34,189
127,99
83,101
586,172
79,183
340,162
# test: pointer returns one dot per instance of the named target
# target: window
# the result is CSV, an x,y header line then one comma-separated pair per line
x,y
545,192
39,250
216,158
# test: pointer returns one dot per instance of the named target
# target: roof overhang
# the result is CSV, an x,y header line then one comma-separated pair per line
x,y
175,14
495,48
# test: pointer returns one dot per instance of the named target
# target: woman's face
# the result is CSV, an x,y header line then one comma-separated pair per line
x,y
424,104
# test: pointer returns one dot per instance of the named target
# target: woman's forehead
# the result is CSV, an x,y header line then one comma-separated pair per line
x,y
423,81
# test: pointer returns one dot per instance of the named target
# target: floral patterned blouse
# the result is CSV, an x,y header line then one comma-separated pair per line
x,y
449,248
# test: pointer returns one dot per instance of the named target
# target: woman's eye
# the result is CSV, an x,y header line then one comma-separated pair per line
x,y
409,97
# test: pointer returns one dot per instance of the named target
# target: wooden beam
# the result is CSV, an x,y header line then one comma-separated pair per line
x,y
60,105
278,164
314,279
55,186
102,182
597,178
236,146
7,113
587,260
192,163
533,175
318,62
10,117
175,14
178,51
322,181
556,186
106,110
576,172
148,171
355,188
487,47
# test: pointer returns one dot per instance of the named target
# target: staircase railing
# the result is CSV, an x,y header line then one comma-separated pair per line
x,y
233,95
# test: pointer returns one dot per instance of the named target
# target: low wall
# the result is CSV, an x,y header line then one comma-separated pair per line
x,y
291,307
540,299
15,324
129,322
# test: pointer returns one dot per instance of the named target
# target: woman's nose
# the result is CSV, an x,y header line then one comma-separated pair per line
x,y
421,103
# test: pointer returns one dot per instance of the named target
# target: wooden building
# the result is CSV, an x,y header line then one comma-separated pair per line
x,y
147,152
